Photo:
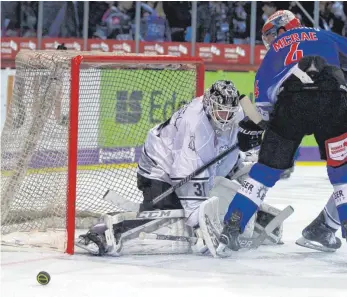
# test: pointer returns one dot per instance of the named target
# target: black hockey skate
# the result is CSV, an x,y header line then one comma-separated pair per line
x,y
229,238
319,236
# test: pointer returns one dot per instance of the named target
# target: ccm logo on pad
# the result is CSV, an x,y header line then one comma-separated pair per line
x,y
336,149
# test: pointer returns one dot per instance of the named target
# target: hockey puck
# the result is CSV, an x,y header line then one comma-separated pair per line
x,y
43,278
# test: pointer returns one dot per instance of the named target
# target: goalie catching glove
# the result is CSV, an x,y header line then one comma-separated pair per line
x,y
249,135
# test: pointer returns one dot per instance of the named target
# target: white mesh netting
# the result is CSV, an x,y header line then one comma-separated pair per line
x,y
119,101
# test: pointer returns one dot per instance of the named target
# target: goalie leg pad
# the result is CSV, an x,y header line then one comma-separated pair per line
x,y
119,234
225,189
210,217
130,243
174,227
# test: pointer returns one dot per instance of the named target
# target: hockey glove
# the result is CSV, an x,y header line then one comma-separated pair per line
x,y
249,135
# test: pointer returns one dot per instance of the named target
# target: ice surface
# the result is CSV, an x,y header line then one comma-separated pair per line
x,y
286,270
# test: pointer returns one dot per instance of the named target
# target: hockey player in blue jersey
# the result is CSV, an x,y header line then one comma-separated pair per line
x,y
300,90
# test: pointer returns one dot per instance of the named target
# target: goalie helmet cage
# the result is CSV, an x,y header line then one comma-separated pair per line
x,y
74,129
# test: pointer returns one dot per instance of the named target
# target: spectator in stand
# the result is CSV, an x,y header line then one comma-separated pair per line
x,y
96,11
239,16
29,12
19,19
116,22
268,8
214,22
9,18
178,14
154,26
325,16
294,8
336,17
204,25
62,18
221,21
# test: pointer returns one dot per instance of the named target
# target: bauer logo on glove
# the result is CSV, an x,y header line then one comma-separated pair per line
x,y
249,135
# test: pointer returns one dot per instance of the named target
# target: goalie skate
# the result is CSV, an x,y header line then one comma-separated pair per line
x,y
93,241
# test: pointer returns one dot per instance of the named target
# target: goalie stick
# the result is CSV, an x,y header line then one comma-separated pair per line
x,y
195,173
251,243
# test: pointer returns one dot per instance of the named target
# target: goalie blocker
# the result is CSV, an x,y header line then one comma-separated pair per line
x,y
167,233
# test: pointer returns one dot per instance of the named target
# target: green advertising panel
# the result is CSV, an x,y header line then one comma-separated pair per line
x,y
133,101
243,80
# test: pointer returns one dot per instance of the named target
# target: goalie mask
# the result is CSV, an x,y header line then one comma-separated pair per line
x,y
221,103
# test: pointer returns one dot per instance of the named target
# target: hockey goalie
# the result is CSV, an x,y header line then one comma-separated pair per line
x,y
189,220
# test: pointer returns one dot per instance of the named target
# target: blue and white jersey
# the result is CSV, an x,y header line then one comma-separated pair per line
x,y
285,52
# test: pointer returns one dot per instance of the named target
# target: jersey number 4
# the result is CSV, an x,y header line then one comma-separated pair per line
x,y
294,54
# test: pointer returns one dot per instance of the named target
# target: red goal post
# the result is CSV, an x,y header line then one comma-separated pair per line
x,y
74,129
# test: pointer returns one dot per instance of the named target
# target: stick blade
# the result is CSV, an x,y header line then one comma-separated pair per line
x,y
121,202
274,223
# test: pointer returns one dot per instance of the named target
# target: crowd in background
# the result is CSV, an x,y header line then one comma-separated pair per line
x,y
217,21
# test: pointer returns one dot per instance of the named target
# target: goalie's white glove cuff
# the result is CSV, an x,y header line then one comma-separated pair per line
x,y
200,246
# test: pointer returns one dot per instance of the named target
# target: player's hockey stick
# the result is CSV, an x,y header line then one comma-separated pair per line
x,y
117,199
250,111
251,243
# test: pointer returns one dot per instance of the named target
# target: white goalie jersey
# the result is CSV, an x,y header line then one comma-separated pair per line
x,y
182,144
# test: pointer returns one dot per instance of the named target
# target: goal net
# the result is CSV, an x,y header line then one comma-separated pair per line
x,y
74,130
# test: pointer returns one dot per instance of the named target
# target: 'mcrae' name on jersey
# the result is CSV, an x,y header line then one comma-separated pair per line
x,y
295,37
